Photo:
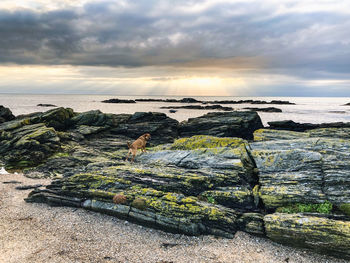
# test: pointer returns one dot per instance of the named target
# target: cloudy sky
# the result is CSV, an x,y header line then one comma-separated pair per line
x,y
183,47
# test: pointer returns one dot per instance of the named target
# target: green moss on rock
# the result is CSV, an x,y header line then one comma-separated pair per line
x,y
323,208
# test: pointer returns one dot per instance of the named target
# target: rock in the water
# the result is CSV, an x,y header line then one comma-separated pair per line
x,y
5,114
228,124
199,107
319,233
46,105
268,109
118,101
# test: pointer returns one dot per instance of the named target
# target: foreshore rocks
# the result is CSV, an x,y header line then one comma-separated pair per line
x,y
196,177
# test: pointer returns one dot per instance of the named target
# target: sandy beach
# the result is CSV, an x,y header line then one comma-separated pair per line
x,y
40,233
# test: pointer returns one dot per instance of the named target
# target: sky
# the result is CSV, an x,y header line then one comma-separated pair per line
x,y
185,48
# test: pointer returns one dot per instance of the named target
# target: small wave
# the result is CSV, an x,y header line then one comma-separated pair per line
x,y
3,171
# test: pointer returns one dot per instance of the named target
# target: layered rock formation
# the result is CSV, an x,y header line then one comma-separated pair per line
x,y
292,187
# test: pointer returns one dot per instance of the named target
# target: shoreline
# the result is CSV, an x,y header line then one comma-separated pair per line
x,y
31,232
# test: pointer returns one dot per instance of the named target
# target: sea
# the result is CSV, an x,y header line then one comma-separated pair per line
x,y
305,110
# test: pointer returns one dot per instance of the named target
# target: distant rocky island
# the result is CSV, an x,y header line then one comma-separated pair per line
x,y
215,174
192,100
45,105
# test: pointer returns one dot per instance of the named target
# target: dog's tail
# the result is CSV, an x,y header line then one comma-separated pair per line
x,y
129,144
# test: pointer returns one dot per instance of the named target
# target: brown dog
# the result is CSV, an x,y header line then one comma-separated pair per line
x,y
140,143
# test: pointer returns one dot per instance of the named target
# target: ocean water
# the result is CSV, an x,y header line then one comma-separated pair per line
x,y
307,109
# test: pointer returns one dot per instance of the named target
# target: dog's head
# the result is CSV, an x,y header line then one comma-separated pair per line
x,y
147,136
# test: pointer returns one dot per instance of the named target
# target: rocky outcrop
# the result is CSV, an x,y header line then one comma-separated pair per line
x,y
211,185
295,126
228,124
5,114
185,187
292,187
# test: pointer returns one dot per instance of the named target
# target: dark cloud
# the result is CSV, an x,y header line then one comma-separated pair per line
x,y
235,36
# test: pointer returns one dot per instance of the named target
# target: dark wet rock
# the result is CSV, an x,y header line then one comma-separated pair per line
x,y
199,107
12,182
268,109
347,104
319,233
228,124
162,128
118,101
295,126
45,105
96,118
27,187
5,114
172,111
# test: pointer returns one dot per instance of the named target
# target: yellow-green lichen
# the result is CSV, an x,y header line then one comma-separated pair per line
x,y
205,141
